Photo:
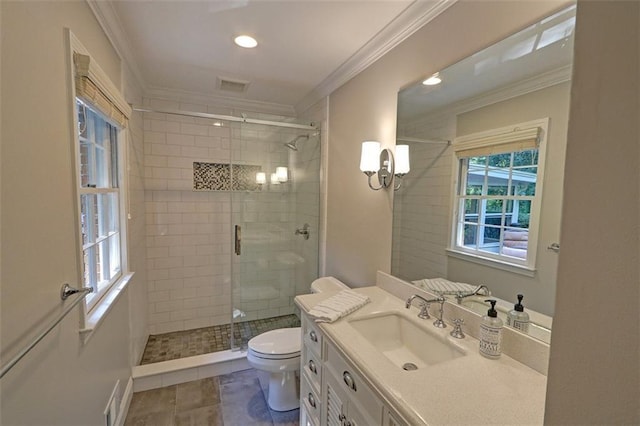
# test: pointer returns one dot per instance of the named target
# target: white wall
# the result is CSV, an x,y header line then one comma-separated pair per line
x,y
137,293
594,368
61,381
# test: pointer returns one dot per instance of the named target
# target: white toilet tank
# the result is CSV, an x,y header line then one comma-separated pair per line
x,y
327,284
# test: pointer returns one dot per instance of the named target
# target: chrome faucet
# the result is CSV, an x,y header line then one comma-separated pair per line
x,y
481,289
424,307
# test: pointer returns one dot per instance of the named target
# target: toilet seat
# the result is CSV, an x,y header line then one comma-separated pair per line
x,y
284,343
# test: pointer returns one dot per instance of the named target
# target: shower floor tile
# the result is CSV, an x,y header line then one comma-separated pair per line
x,y
182,344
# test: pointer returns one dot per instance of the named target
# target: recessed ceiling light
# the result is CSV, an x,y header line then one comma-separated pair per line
x,y
246,41
433,80
217,123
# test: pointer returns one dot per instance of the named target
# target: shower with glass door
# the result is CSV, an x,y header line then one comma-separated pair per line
x,y
240,230
275,226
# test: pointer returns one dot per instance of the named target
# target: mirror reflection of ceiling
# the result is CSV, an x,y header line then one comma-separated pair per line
x,y
544,47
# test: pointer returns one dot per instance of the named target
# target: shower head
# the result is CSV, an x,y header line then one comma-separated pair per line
x,y
292,144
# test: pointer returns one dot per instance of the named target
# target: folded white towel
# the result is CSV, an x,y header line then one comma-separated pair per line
x,y
443,286
338,305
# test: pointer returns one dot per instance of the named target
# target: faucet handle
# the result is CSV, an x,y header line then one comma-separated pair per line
x,y
424,311
457,329
438,322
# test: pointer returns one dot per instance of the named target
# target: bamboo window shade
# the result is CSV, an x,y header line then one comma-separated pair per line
x,y
514,141
94,88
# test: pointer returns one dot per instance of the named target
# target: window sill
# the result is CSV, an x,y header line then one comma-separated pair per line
x,y
98,313
492,263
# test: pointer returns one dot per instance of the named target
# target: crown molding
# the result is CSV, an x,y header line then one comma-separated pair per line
x,y
240,105
519,88
113,29
414,17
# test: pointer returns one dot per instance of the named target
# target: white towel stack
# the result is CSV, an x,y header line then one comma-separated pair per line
x,y
443,286
338,306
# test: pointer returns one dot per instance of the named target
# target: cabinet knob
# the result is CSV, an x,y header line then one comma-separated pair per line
x,y
312,367
312,400
351,384
313,336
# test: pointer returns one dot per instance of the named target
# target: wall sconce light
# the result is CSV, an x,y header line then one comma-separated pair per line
x,y
402,164
282,174
373,160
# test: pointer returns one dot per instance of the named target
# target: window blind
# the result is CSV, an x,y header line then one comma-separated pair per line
x,y
95,88
517,140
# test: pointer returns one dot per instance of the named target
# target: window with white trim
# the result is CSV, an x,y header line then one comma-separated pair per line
x,y
101,115
498,192
99,190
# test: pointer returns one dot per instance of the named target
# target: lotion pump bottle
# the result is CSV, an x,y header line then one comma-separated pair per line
x,y
518,318
491,333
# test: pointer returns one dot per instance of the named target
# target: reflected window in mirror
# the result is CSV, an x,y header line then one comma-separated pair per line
x,y
498,193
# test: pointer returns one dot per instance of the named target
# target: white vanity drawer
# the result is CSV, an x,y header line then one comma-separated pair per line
x,y
311,335
310,402
353,384
312,367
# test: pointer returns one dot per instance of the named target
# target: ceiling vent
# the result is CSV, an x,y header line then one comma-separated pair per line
x,y
235,86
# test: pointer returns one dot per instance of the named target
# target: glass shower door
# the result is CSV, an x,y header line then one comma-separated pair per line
x,y
275,256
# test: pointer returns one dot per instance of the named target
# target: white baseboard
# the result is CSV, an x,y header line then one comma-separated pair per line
x,y
125,403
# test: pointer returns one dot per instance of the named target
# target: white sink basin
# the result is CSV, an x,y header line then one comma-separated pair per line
x,y
403,341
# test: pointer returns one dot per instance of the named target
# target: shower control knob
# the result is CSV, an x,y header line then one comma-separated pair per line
x,y
304,231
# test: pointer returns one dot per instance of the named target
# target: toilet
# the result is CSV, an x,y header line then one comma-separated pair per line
x,y
278,353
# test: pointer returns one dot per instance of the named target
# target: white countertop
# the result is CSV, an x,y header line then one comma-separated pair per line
x,y
467,390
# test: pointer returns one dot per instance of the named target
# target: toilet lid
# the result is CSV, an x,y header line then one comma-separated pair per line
x,y
283,341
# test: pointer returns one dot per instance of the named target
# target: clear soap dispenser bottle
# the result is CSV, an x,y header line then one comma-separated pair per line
x,y
517,317
491,333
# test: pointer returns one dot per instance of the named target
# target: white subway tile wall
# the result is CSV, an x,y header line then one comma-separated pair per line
x,y
189,233
421,206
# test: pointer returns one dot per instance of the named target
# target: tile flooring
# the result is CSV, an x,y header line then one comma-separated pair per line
x,y
237,399
182,344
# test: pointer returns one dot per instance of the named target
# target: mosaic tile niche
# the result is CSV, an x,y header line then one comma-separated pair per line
x,y
225,177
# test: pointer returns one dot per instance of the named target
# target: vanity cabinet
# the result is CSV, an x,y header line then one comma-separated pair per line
x,y
311,368
332,391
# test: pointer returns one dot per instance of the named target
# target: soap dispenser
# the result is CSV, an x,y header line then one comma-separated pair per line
x,y
517,317
491,333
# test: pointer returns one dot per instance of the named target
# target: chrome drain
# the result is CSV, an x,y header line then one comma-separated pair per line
x,y
409,366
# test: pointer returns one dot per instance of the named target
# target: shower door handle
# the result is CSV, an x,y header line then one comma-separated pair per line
x,y
238,240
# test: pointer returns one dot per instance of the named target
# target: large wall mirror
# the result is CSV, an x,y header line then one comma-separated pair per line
x,y
524,78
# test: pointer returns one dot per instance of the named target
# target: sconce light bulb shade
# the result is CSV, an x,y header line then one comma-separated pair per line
x,y
282,174
274,179
402,159
261,178
370,156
